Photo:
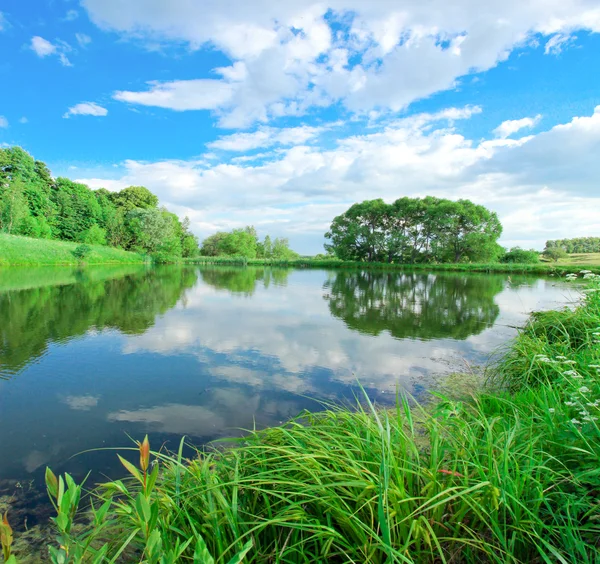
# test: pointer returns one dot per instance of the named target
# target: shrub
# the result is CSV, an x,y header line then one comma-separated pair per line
x,y
82,251
521,256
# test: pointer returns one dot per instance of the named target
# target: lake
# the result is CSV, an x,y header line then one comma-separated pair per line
x,y
91,356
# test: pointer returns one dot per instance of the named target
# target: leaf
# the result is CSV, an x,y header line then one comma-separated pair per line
x,y
51,482
143,508
239,557
201,553
131,469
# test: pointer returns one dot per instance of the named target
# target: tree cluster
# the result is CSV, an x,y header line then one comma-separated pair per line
x,y
34,204
245,243
577,245
415,230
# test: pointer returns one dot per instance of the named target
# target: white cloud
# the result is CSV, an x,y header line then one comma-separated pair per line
x,y
508,127
181,95
23,120
3,122
71,15
543,186
44,48
266,137
86,109
3,22
288,57
83,39
557,43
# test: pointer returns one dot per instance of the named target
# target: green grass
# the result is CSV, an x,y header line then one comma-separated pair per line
x,y
508,475
541,268
25,251
576,259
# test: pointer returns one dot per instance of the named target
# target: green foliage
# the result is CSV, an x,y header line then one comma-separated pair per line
x,y
244,243
415,230
81,252
520,256
554,253
33,204
95,235
576,245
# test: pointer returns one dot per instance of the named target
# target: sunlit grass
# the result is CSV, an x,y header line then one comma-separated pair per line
x,y
26,251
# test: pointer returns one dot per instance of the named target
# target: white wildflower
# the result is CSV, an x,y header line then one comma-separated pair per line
x,y
573,374
561,357
584,390
551,410
569,362
570,403
575,421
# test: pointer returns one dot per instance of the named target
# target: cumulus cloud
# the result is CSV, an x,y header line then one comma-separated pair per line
x,y
508,127
291,56
86,109
543,186
3,122
44,48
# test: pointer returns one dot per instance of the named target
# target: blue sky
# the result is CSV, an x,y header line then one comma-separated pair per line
x,y
283,114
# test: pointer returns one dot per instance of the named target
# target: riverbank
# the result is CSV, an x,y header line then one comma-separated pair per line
x,y
507,475
510,268
26,251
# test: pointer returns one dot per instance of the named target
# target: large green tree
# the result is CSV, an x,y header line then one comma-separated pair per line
x,y
415,230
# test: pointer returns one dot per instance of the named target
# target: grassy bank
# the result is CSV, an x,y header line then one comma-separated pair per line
x,y
576,259
25,251
508,475
541,268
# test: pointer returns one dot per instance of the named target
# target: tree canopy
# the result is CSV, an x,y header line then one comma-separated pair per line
x,y
245,243
577,245
415,230
34,204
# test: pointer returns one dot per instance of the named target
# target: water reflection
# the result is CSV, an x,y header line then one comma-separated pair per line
x,y
73,302
206,351
243,280
414,305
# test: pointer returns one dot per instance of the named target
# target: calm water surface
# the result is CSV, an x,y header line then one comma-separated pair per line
x,y
90,356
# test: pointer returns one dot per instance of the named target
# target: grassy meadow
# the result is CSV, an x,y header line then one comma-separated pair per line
x,y
26,251
508,474
581,259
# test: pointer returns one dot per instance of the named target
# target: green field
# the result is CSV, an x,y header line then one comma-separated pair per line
x,y
580,259
25,251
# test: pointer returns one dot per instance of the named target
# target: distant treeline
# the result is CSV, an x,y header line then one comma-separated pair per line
x,y
245,243
577,245
34,204
415,230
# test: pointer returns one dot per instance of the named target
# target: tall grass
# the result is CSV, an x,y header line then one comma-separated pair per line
x,y
509,475
540,268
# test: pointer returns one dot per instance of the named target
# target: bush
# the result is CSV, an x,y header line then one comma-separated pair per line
x,y
81,252
521,256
